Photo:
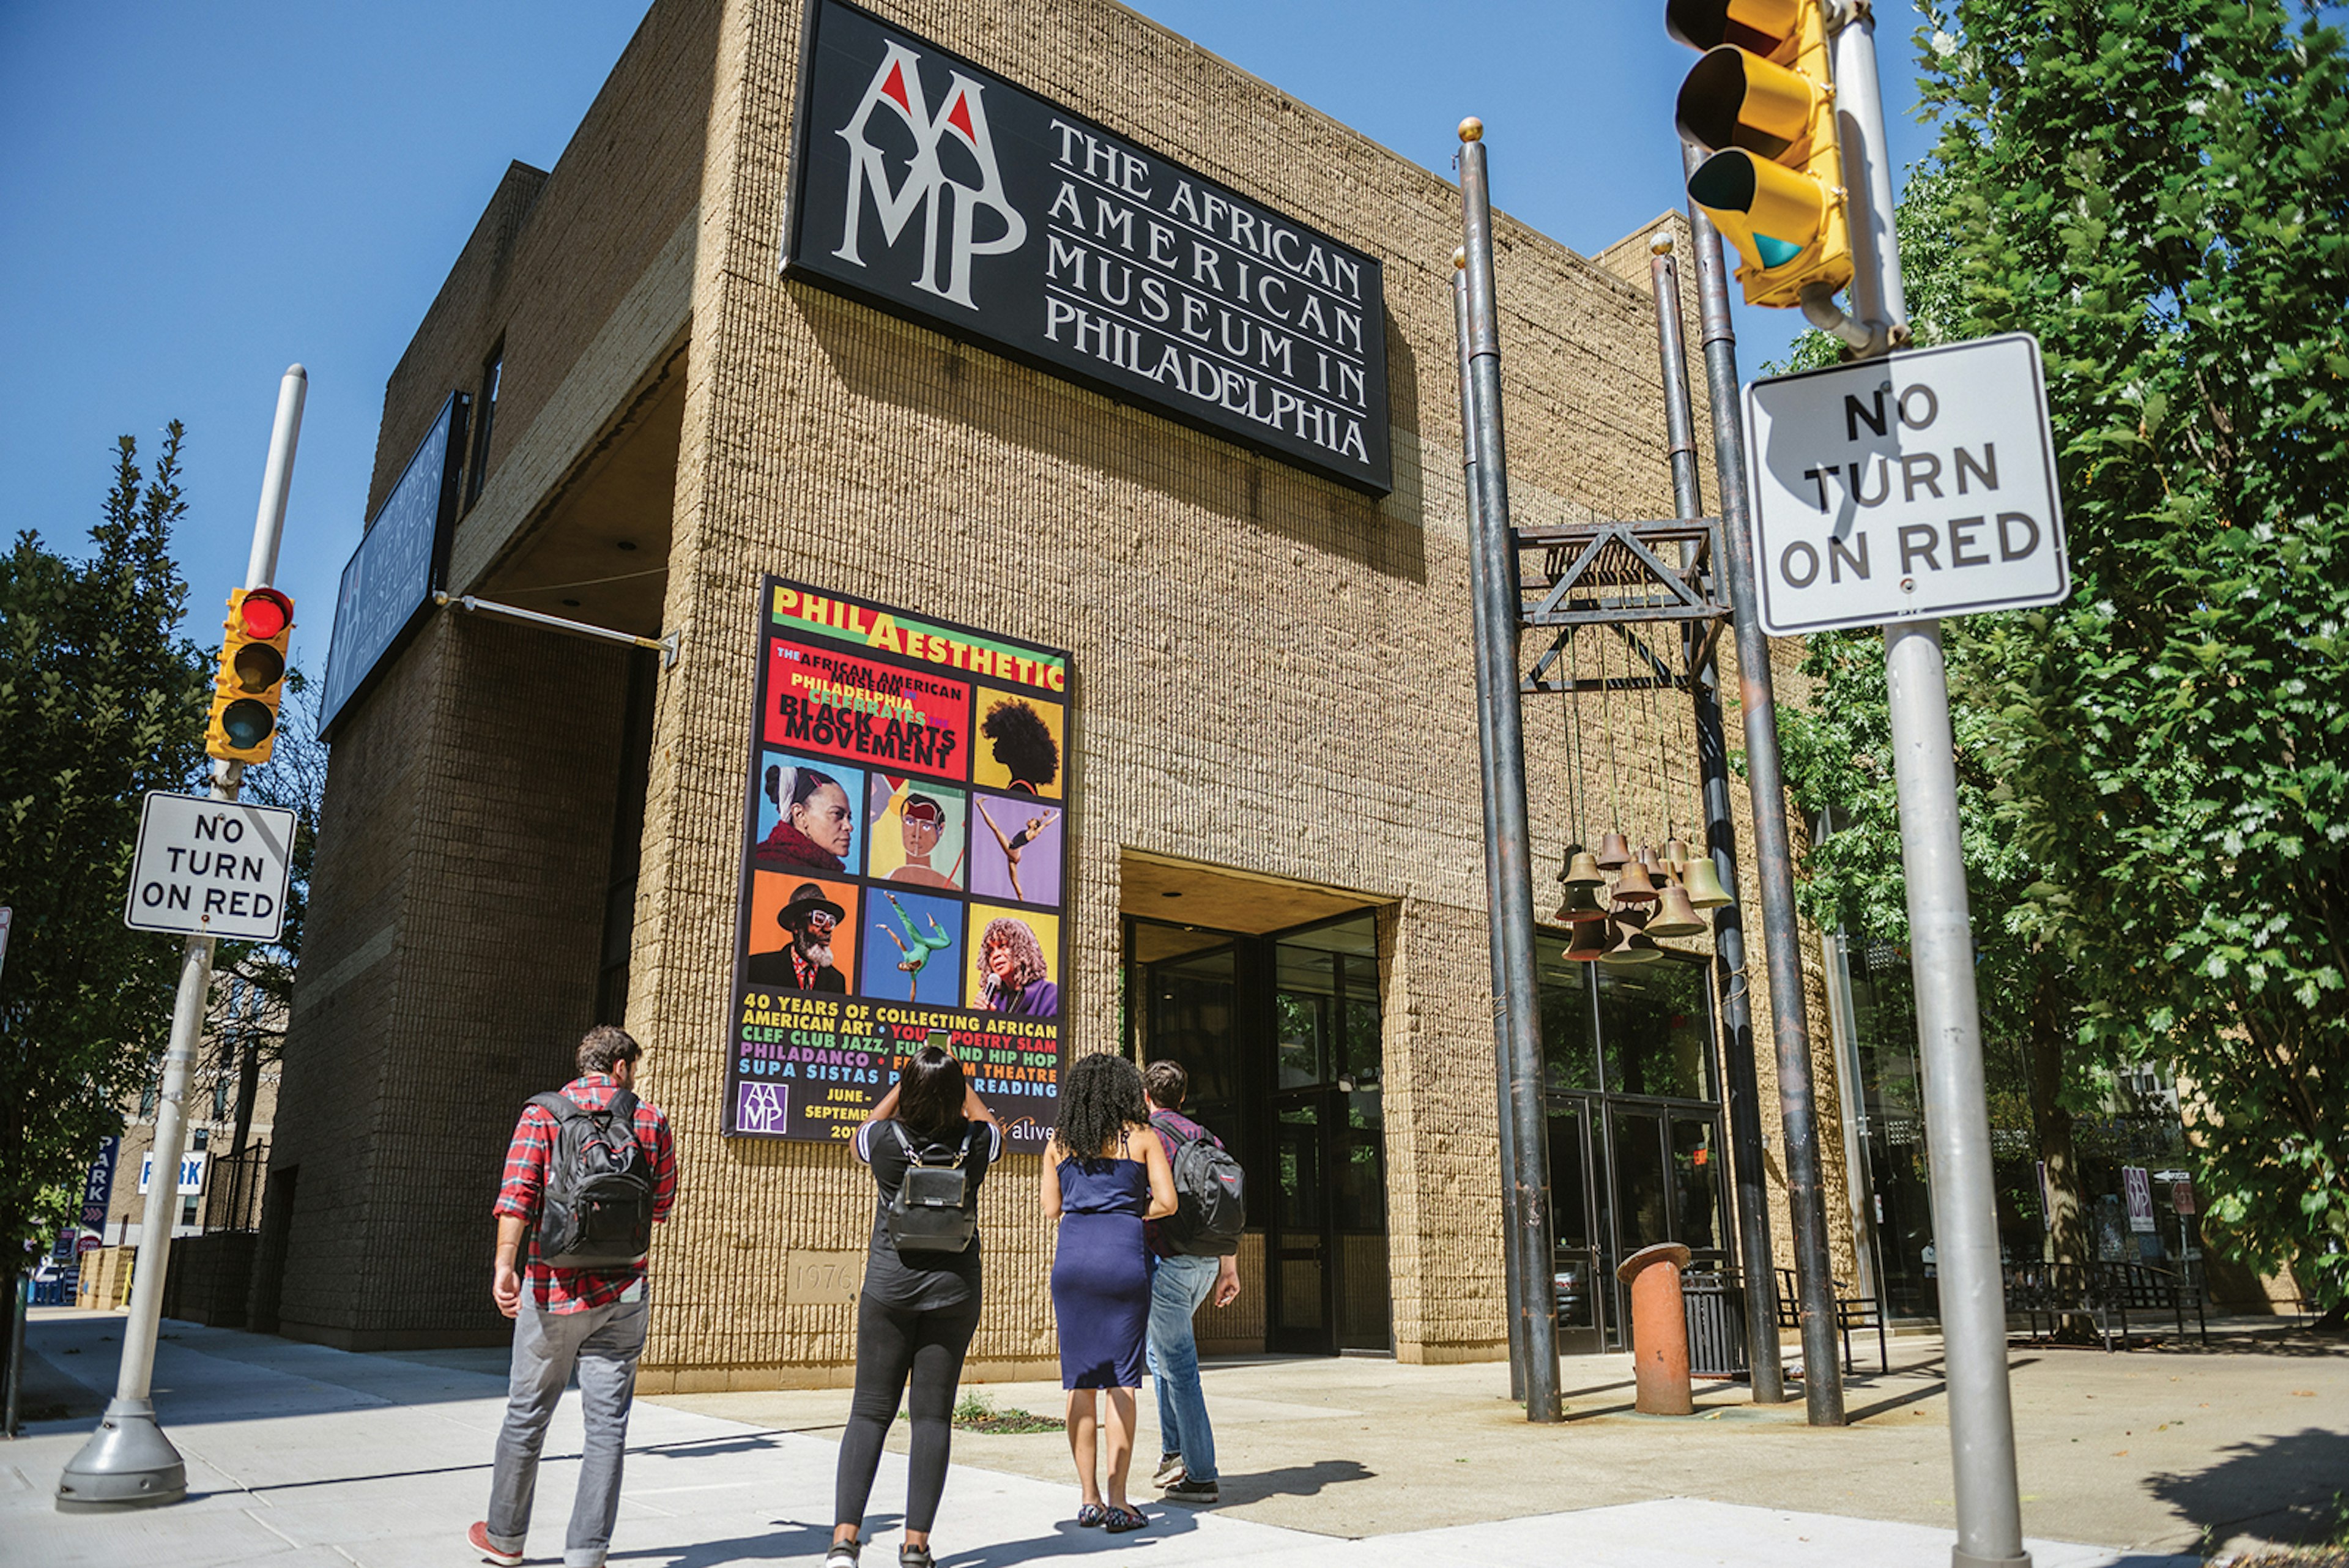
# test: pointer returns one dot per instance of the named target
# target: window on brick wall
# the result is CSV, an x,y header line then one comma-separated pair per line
x,y
485,410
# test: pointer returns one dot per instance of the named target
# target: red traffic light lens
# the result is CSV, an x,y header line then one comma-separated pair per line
x,y
264,613
247,724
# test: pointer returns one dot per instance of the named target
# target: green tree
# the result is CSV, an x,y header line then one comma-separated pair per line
x,y
101,699
2159,191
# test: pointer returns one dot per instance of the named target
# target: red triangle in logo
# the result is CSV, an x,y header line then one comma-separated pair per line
x,y
960,118
895,87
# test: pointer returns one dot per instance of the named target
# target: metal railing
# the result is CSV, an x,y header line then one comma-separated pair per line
x,y
232,1189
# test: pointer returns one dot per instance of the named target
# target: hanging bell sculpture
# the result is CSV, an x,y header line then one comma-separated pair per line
x,y
1580,906
1675,915
1591,940
1635,886
1676,855
1582,870
1632,944
1614,852
1703,884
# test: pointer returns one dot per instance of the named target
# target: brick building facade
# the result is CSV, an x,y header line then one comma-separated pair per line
x,y
1271,728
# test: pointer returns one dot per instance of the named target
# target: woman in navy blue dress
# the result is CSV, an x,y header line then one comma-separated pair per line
x,y
1104,1173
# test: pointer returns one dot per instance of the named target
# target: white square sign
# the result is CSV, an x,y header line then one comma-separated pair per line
x,y
1916,484
210,867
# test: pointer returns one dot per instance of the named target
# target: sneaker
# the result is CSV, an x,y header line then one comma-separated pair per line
x,y
842,1555
1189,1490
477,1538
1170,1470
915,1557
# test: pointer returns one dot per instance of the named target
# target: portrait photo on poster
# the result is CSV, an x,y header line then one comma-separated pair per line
x,y
808,816
1020,740
1016,849
1013,953
919,832
804,934
913,950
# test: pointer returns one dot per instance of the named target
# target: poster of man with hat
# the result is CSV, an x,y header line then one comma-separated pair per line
x,y
805,962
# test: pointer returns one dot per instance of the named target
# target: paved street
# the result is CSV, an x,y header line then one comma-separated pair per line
x,y
299,1454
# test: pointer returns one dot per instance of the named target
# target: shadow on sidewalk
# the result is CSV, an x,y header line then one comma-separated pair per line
x,y
2281,1488
789,1539
1068,1538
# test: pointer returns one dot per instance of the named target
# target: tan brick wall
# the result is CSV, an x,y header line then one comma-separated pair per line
x,y
1271,672
449,968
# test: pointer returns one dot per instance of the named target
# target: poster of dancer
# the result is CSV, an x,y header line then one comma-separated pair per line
x,y
904,870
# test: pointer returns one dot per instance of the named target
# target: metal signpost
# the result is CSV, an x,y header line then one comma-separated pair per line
x,y
128,1461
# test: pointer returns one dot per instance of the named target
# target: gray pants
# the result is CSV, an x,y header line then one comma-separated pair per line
x,y
604,1343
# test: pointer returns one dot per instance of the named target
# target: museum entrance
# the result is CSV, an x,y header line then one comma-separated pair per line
x,y
1280,1035
1636,1153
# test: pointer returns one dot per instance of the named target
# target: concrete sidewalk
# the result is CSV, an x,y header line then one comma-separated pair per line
x,y
298,1456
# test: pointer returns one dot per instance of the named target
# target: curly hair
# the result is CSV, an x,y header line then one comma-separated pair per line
x,y
1003,931
1023,743
1100,1094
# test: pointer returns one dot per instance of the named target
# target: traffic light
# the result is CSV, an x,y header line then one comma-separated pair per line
x,y
244,722
1762,103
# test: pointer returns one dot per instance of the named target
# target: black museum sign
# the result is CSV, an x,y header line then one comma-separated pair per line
x,y
937,189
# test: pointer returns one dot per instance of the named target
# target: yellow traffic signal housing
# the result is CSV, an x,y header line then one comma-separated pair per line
x,y
1762,103
243,726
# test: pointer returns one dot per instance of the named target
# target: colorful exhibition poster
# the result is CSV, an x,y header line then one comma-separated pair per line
x,y
904,867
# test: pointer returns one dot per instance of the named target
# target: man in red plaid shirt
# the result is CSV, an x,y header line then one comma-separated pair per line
x,y
591,1318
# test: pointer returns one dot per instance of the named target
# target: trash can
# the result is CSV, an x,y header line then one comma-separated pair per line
x,y
1660,1343
1715,1303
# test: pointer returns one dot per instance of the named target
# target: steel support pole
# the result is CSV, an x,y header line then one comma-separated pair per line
x,y
129,1462
1774,862
1751,1195
1957,1113
1941,930
1485,681
1491,540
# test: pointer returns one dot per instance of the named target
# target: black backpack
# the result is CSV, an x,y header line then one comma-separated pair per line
x,y
1210,1196
597,1209
931,1211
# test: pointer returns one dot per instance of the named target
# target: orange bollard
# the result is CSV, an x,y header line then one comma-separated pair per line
x,y
1659,1329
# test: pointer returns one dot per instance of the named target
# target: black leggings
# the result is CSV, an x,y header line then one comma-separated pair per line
x,y
890,1343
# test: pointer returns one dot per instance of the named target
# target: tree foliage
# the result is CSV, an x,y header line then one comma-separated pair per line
x,y
2159,191
101,699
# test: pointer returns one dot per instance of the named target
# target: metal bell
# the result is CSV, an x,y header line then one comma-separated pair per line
x,y
1582,871
1675,855
1635,886
1632,945
1675,915
1614,851
1580,906
1702,884
1589,943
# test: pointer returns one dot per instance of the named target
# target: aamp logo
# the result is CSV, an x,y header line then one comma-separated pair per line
x,y
949,207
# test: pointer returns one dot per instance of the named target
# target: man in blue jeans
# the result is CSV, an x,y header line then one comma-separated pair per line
x,y
1186,1466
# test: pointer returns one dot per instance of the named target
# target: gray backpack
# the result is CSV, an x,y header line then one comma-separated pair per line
x,y
931,1212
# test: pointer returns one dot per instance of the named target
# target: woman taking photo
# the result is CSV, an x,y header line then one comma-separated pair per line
x,y
930,1143
1104,1173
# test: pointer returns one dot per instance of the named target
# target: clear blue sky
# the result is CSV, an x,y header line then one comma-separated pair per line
x,y
197,195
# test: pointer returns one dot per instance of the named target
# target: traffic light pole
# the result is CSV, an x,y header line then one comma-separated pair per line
x,y
1490,545
1940,927
1510,1244
129,1462
1774,862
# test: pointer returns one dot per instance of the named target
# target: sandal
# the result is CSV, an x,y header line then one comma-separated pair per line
x,y
1090,1514
1121,1520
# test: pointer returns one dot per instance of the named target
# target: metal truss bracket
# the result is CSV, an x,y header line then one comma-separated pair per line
x,y
1616,575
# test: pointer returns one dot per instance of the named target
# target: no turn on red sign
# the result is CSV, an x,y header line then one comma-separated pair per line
x,y
1917,485
210,867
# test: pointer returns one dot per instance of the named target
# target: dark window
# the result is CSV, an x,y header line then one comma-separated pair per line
x,y
485,409
1655,1023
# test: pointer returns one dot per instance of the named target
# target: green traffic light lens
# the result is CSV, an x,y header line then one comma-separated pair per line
x,y
247,724
258,667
